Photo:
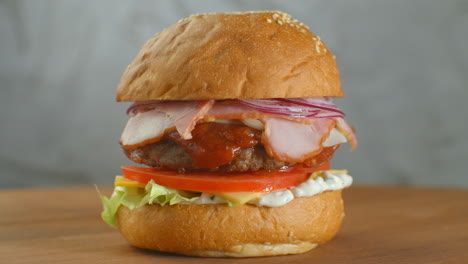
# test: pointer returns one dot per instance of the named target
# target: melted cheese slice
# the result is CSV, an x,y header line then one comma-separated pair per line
x,y
239,197
121,181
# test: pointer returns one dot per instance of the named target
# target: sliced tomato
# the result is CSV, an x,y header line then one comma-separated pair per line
x,y
259,181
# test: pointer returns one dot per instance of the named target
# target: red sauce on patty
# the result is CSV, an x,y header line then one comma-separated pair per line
x,y
215,144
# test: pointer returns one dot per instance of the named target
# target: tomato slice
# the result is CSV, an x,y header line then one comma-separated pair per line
x,y
259,181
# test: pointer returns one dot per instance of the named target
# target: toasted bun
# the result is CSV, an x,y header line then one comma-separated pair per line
x,y
263,54
218,230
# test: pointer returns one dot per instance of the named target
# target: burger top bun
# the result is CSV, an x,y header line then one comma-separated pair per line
x,y
264,54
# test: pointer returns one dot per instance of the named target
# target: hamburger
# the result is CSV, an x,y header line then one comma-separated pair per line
x,y
233,127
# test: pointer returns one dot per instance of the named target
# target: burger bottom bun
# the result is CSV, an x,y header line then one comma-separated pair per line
x,y
218,230
254,250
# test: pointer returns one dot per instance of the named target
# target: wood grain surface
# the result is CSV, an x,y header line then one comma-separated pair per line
x,y
382,225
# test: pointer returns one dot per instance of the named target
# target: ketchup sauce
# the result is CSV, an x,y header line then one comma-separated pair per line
x,y
215,144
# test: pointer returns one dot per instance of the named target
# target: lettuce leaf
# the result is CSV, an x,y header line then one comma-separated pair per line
x,y
133,198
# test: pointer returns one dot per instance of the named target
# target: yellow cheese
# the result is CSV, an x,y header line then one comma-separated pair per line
x,y
320,173
239,197
121,181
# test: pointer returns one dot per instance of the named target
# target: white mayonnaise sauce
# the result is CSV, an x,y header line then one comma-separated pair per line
x,y
274,199
328,182
334,138
207,198
306,189
253,123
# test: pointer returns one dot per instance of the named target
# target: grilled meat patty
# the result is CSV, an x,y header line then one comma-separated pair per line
x,y
168,154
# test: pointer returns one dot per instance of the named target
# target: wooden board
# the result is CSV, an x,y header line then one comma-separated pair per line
x,y
382,225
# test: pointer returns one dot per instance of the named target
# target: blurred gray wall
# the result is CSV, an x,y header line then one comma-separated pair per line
x,y
404,67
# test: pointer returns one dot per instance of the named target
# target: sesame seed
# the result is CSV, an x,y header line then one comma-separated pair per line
x,y
279,22
269,20
320,48
275,16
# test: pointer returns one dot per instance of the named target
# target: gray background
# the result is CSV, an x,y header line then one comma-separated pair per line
x,y
404,67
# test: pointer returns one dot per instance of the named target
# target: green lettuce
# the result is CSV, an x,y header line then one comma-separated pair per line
x,y
133,197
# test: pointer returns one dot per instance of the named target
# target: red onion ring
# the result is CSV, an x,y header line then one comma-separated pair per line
x,y
300,107
133,109
315,102
293,107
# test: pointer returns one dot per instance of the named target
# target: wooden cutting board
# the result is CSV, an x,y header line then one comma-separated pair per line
x,y
382,225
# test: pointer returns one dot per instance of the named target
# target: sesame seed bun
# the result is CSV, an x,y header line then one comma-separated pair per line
x,y
218,230
264,54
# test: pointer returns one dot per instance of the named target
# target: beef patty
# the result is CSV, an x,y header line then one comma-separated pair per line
x,y
168,154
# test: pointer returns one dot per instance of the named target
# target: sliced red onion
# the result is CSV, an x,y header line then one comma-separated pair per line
x,y
296,107
324,104
293,107
133,109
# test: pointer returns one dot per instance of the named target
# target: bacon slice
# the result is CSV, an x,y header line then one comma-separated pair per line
x,y
348,131
148,127
295,142
186,114
145,128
